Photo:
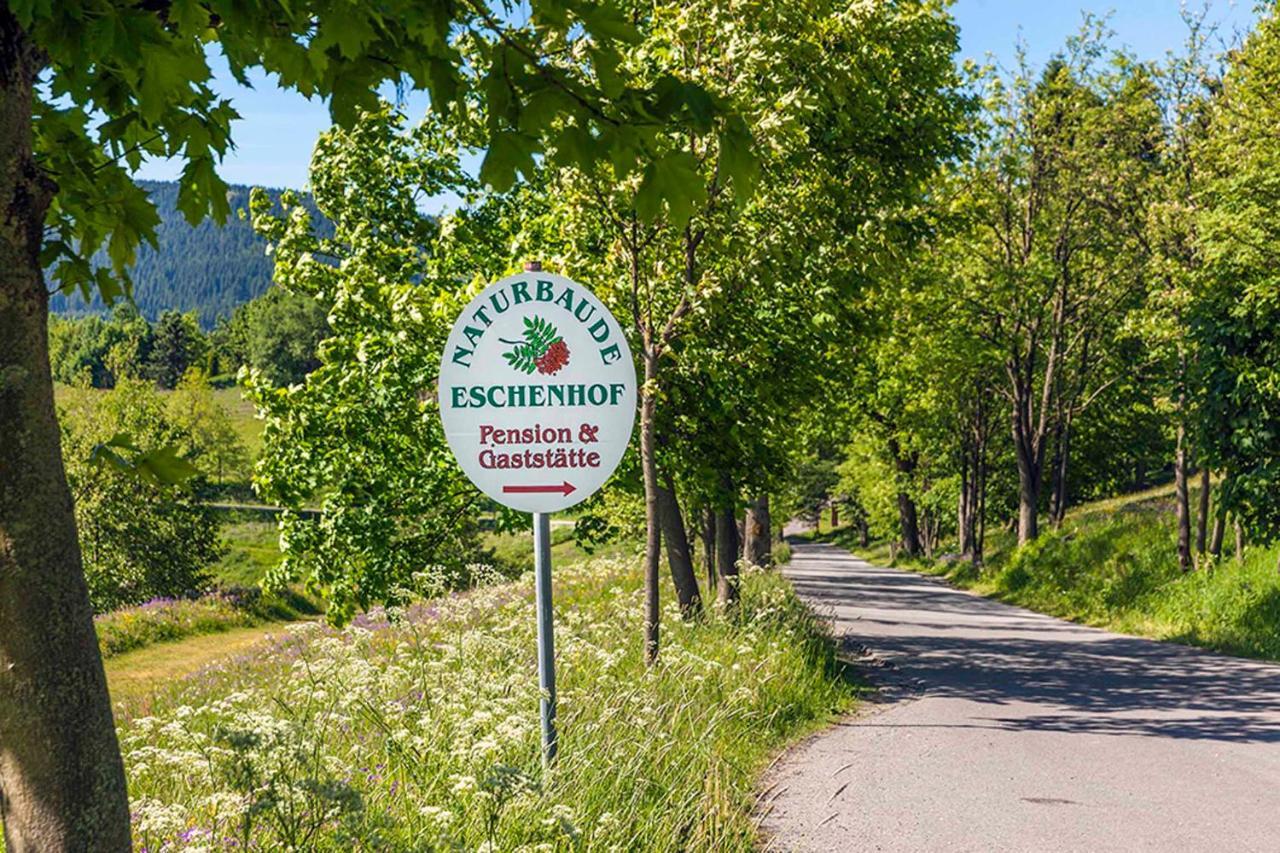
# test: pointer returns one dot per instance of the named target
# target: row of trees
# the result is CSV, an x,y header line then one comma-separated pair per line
x,y
1089,306
100,352
734,270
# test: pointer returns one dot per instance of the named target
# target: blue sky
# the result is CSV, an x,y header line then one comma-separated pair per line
x,y
278,128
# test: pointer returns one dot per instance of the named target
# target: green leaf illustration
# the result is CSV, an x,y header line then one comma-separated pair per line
x,y
539,334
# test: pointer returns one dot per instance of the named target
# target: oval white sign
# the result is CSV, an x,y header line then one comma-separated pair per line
x,y
537,392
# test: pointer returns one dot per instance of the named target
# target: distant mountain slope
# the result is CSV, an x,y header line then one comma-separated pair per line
x,y
208,269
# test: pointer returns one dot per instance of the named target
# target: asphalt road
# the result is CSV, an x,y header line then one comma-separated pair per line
x,y
1001,729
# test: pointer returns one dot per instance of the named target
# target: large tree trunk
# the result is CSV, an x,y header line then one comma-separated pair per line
x,y
652,538
1202,521
62,784
678,556
963,510
1183,506
727,555
758,548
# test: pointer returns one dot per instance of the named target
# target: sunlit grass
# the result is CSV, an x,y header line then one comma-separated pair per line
x,y
424,735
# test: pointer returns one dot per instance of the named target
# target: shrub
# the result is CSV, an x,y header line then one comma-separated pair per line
x,y
140,539
164,619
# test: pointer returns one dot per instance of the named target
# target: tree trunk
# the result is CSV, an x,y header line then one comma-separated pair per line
x,y
1055,483
910,524
1219,530
709,547
678,556
1061,465
962,507
758,548
835,516
980,504
928,532
1202,521
908,520
1029,457
727,555
1028,498
1183,507
62,784
652,539
977,502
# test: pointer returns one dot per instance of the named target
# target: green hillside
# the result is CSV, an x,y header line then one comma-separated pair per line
x,y
209,269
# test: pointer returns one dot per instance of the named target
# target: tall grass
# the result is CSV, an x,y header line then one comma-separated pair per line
x,y
422,733
1121,572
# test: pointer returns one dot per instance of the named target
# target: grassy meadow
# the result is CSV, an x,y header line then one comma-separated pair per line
x,y
419,730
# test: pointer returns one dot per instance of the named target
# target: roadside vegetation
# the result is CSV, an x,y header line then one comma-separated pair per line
x,y
1114,564
167,619
420,731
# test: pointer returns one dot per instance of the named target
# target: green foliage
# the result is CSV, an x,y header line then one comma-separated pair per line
x,y
95,352
732,285
176,345
872,484
361,435
1238,316
125,82
211,441
144,532
278,334
325,723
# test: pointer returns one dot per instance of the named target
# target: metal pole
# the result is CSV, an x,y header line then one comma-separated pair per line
x,y
546,633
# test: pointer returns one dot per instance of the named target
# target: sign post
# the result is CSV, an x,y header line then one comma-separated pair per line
x,y
538,399
546,633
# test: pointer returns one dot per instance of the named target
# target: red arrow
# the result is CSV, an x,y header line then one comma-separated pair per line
x,y
564,488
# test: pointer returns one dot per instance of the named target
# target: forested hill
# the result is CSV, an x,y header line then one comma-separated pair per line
x,y
209,269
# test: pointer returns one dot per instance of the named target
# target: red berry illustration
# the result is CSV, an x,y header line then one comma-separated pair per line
x,y
556,357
